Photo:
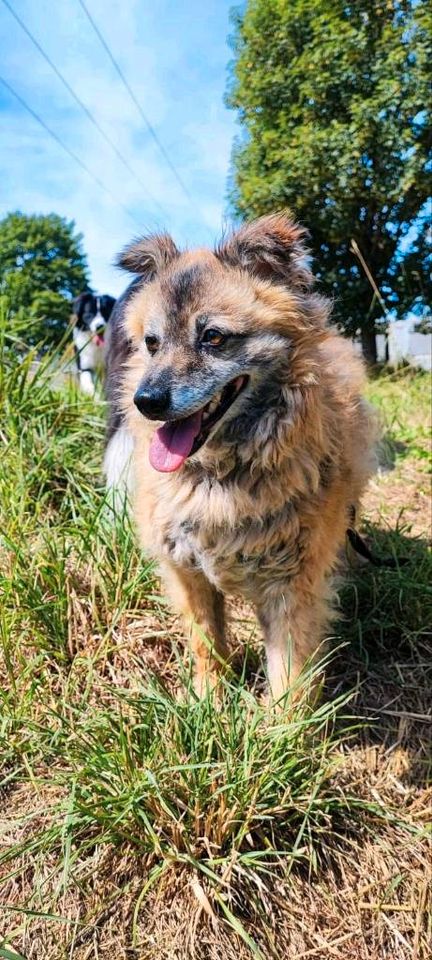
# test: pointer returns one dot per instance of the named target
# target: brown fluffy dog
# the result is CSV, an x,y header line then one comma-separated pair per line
x,y
251,443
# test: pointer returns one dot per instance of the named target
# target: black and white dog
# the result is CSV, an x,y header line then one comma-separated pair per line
x,y
91,315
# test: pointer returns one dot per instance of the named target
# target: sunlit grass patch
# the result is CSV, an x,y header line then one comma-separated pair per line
x,y
228,794
403,398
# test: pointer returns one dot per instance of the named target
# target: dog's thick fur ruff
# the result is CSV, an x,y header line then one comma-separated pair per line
x,y
261,509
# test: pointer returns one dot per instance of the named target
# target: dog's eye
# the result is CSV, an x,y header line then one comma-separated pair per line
x,y
152,344
213,338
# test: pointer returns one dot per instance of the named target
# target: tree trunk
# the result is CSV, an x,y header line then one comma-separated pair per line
x,y
369,347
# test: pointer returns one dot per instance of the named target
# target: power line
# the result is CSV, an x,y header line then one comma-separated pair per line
x,y
67,150
82,105
138,106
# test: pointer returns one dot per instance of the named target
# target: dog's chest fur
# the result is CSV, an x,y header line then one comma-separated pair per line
x,y
91,355
244,550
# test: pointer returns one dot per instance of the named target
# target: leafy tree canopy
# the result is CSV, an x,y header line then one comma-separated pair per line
x,y
42,266
333,98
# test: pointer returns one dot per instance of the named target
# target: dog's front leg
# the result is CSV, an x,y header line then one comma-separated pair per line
x,y
293,624
202,607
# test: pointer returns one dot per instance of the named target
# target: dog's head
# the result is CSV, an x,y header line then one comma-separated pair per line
x,y
92,313
215,331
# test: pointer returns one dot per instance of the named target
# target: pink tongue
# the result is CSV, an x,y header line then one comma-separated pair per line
x,y
173,442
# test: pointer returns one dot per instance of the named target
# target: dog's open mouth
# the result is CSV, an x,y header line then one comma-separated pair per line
x,y
176,440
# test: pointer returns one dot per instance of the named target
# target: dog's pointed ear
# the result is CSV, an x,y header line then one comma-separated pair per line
x,y
148,255
78,303
271,248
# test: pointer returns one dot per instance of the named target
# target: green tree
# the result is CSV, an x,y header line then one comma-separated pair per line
x,y
333,99
42,266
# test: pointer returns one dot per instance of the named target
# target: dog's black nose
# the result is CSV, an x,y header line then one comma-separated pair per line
x,y
152,402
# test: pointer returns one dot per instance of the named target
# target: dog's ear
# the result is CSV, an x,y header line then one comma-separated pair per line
x,y
271,248
148,255
78,304
107,305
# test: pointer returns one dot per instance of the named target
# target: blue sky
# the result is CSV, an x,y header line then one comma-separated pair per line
x,y
174,55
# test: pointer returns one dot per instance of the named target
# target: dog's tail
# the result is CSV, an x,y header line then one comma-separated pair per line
x,y
361,547
116,465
